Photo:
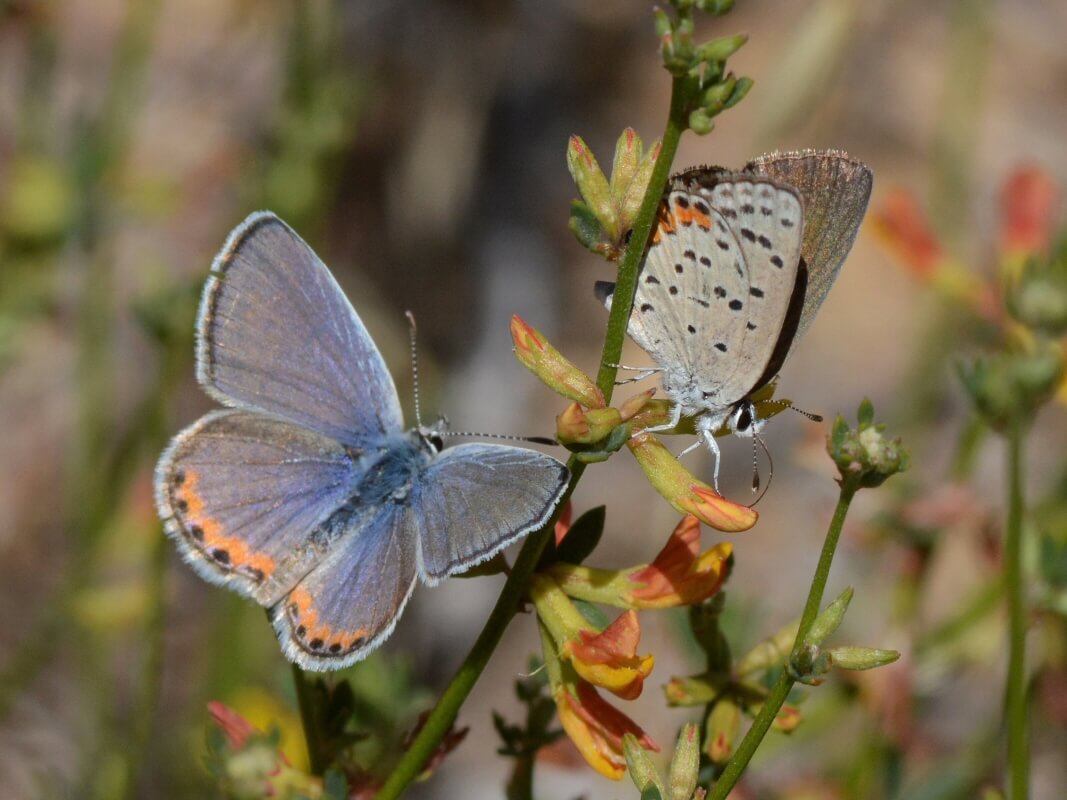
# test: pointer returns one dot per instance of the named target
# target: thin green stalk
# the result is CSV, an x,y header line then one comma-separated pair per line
x,y
310,721
507,605
1018,745
776,699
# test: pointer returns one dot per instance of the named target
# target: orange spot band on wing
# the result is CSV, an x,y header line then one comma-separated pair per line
x,y
318,635
689,216
210,535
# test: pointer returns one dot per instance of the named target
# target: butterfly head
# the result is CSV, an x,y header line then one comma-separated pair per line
x,y
434,434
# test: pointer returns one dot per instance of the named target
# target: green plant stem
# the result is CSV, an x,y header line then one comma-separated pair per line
x,y
776,699
626,283
520,784
1018,746
507,604
309,719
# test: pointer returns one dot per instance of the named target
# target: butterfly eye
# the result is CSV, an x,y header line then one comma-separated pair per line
x,y
744,418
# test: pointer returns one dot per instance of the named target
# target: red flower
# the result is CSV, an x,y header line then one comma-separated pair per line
x,y
1027,206
903,226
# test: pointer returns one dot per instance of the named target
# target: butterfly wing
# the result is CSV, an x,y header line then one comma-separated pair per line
x,y
349,604
767,220
475,499
717,284
835,189
241,494
277,334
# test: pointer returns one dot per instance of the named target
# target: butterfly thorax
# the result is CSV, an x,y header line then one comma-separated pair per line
x,y
390,468
693,398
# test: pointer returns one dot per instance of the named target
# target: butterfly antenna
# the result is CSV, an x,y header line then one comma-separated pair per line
x,y
414,366
532,439
756,439
789,404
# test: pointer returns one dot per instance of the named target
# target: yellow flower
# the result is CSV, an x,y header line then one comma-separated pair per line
x,y
597,728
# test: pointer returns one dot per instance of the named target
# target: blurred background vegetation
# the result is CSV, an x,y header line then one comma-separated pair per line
x,y
419,147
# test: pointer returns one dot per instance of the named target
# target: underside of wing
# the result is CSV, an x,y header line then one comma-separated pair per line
x,y
835,189
767,219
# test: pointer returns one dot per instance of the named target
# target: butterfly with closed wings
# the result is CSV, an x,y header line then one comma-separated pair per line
x,y
738,266
307,493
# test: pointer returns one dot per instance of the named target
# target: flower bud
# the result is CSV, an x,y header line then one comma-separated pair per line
x,y
859,658
591,183
722,48
771,652
576,425
555,371
684,492
685,763
724,722
830,619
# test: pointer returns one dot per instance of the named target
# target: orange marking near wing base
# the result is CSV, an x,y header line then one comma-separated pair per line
x,y
307,617
239,554
664,223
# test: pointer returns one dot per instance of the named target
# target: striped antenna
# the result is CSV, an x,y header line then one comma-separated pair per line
x,y
414,367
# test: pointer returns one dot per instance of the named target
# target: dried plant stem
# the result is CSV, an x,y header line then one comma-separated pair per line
x,y
507,605
777,697
1015,700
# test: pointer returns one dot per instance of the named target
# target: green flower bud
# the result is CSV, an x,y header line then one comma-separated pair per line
x,y
700,123
642,771
685,763
858,658
591,183
723,725
721,49
830,619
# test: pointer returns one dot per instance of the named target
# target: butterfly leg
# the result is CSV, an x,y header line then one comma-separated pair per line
x,y
676,417
706,427
646,372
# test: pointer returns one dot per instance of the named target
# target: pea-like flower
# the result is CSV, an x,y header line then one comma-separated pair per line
x,y
597,728
606,658
680,575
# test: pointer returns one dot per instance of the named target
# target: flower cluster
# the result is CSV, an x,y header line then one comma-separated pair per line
x,y
584,653
593,431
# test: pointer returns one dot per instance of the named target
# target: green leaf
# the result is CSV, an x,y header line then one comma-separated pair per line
x,y
583,536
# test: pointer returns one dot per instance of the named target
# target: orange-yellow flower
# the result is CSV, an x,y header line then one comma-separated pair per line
x,y
597,728
609,659
681,574
605,658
